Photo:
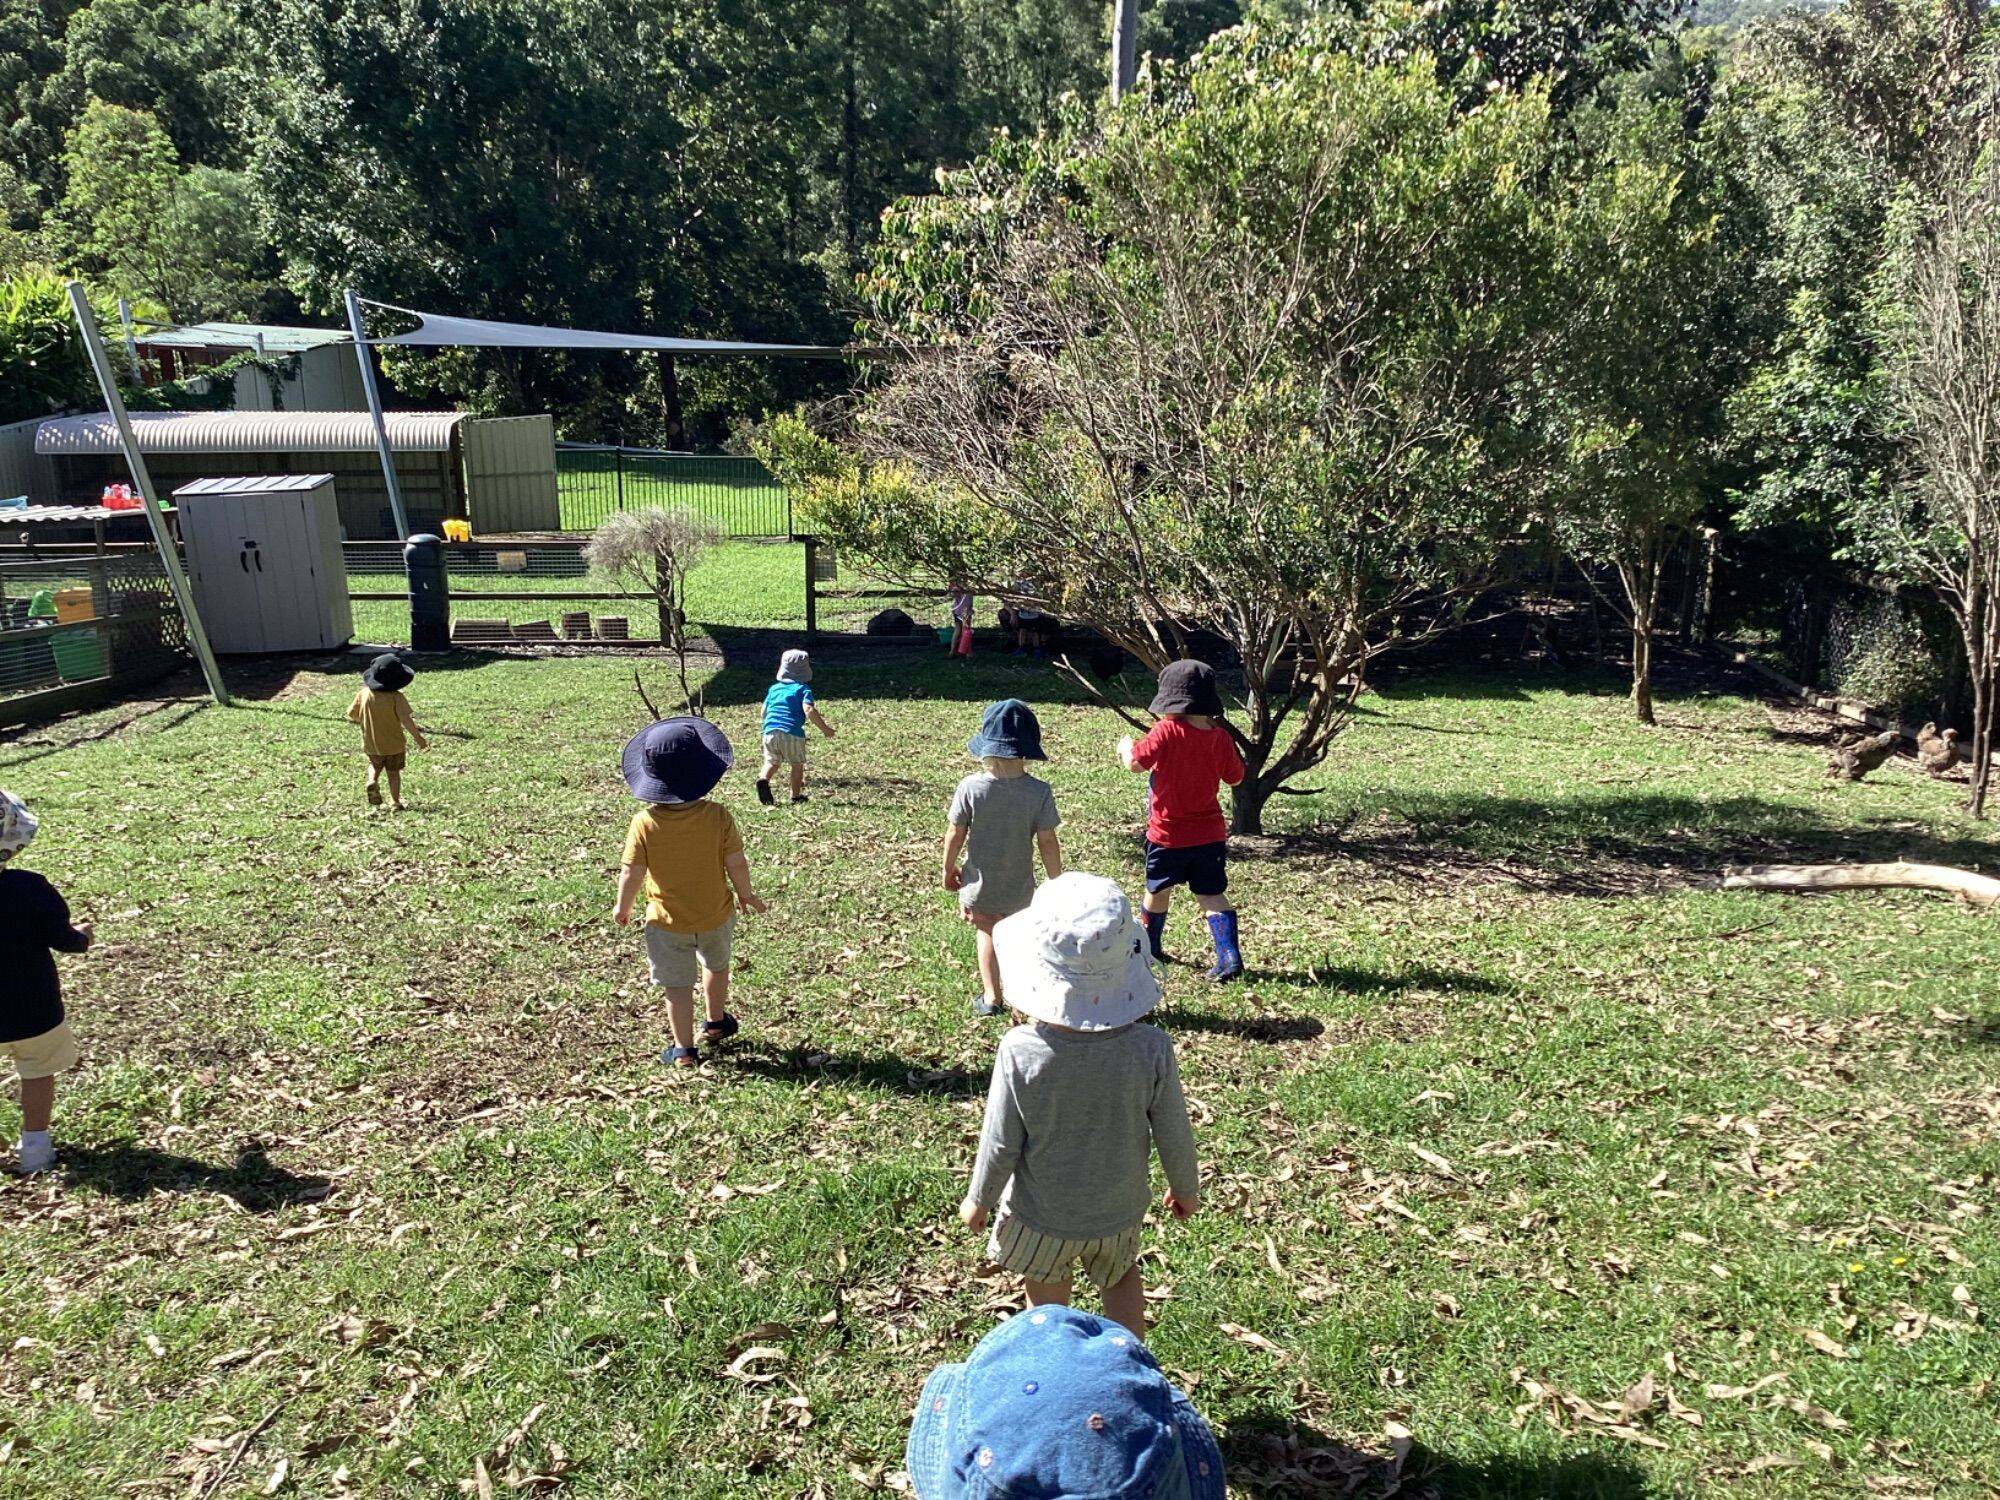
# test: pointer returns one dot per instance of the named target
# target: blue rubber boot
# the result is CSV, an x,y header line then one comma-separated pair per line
x,y
1156,932
1228,955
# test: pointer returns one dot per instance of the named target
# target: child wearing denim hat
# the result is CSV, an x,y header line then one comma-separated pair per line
x,y
789,706
999,817
1191,757
1080,1098
34,1035
1056,1402
684,852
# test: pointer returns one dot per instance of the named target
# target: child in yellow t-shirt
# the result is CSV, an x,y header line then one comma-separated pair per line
x,y
684,852
384,714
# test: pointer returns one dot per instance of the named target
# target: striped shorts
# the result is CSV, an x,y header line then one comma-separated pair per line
x,y
1047,1257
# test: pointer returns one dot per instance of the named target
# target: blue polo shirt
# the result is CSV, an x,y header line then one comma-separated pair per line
x,y
785,708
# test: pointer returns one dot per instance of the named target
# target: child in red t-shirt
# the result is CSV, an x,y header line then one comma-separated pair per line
x,y
1191,757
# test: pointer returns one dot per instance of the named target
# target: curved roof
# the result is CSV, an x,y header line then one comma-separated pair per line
x,y
249,432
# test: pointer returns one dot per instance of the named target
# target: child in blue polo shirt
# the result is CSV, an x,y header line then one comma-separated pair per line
x,y
788,706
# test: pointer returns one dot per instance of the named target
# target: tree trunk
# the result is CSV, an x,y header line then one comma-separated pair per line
x,y
1983,714
1642,672
1641,578
1247,800
670,403
850,135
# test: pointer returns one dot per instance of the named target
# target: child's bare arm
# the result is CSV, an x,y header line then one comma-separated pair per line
x,y
354,710
737,868
819,722
1051,847
954,845
1173,1138
1127,752
631,880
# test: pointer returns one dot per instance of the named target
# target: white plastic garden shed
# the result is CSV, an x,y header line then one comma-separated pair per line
x,y
263,555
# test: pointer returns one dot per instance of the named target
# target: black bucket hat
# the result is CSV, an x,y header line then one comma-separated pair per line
x,y
1010,731
1188,687
387,674
676,760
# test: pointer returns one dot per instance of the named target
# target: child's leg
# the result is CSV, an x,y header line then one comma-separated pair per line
x,y
680,1013
38,1101
1125,1301
374,790
1214,904
798,778
1046,1293
770,765
714,993
989,962
395,787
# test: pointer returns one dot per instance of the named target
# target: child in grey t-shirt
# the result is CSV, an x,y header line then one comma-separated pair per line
x,y
999,817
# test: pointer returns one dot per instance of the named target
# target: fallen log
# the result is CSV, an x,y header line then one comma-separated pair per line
x,y
1981,890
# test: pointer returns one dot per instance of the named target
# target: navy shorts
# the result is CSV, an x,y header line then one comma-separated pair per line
x,y
1203,869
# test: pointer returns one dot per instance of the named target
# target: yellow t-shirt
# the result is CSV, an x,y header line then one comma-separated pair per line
x,y
681,848
383,717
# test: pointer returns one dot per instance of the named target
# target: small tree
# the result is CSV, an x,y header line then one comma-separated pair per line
x,y
1235,366
1648,355
652,552
1940,313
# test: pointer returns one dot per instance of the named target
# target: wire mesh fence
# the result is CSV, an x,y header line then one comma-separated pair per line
x,y
529,589
739,494
77,624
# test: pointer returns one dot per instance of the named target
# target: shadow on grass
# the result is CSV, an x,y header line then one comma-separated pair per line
x,y
1271,1029
1615,845
1416,977
1268,1456
879,1071
1980,1031
56,741
132,1171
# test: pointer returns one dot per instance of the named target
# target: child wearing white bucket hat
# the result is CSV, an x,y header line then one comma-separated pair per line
x,y
1080,1099
789,706
34,927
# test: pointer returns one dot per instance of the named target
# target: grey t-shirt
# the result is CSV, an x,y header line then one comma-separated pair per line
x,y
1071,1121
1003,814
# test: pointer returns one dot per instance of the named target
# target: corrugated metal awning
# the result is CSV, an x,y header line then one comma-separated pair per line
x,y
249,432
272,338
50,515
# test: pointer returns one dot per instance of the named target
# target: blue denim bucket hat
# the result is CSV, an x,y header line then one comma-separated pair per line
x,y
1056,1402
676,760
1009,729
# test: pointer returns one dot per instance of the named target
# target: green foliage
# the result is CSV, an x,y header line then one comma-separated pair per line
x,y
43,367
129,212
1881,655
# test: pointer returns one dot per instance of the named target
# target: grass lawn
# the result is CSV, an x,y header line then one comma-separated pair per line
x,y
1517,1141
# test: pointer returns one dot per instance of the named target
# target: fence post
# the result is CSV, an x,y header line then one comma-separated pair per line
x,y
812,588
618,470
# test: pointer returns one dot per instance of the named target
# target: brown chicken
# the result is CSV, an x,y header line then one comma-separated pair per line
x,y
1938,753
1858,759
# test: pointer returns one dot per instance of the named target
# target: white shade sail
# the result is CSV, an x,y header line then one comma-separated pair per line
x,y
435,330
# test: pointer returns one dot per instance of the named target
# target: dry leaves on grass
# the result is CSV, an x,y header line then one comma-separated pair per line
x,y
1255,1340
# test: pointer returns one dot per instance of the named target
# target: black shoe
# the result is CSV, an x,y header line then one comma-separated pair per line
x,y
764,794
720,1031
980,1007
798,797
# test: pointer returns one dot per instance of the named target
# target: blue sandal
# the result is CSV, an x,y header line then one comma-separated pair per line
x,y
720,1031
681,1057
981,1008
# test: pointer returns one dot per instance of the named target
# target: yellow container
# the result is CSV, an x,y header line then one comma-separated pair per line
x,y
74,605
456,530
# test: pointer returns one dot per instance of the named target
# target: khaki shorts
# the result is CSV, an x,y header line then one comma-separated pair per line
x,y
390,762
786,749
44,1056
676,959
1046,1257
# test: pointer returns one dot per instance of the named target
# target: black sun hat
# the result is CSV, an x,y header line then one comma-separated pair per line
x,y
676,760
387,674
1188,687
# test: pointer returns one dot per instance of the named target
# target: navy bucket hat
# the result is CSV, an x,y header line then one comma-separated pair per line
x,y
1188,687
1057,1402
676,760
1010,730
387,674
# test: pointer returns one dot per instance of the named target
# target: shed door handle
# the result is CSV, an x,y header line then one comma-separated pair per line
x,y
243,558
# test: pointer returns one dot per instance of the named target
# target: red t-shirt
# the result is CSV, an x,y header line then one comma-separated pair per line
x,y
1189,766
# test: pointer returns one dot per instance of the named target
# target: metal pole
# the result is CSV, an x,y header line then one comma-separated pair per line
x,y
1124,47
375,412
170,559
812,588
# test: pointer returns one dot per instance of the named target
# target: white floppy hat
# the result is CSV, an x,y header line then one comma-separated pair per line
x,y
795,666
17,826
1077,957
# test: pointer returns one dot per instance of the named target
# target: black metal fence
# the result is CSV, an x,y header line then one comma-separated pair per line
x,y
740,494
79,627
531,589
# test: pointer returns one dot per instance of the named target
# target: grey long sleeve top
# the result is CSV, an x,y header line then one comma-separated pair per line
x,y
1072,1118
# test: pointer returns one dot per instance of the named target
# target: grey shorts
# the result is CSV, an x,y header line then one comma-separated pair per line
x,y
786,749
675,959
